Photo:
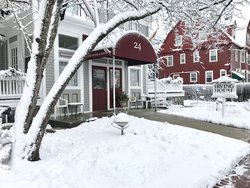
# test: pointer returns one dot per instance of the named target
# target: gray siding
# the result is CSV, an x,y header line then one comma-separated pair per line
x,y
50,79
143,29
86,85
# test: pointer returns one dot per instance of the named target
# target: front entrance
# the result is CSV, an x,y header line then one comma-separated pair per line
x,y
99,84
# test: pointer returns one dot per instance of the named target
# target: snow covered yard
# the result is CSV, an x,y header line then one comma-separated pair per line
x,y
237,114
149,155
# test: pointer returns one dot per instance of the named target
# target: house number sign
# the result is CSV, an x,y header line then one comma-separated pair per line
x,y
137,46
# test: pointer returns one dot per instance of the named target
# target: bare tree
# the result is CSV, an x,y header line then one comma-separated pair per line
x,y
46,15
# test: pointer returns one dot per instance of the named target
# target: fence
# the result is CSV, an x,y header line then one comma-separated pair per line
x,y
11,87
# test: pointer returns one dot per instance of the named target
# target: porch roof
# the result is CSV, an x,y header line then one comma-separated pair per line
x,y
131,46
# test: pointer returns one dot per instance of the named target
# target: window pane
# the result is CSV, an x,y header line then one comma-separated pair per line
x,y
134,77
213,55
68,42
117,78
99,81
169,61
193,77
74,80
182,59
196,56
209,76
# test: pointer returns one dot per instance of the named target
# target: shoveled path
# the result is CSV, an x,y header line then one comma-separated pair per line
x,y
239,176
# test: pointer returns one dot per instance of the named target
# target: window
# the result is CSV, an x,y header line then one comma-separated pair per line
x,y
209,76
182,58
196,56
193,77
242,56
248,59
74,79
134,25
14,60
118,82
236,55
176,76
170,62
223,72
135,77
68,42
178,40
213,55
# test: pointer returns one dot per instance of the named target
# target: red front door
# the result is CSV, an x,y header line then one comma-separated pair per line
x,y
99,84
118,85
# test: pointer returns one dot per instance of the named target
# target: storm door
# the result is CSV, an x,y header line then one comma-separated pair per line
x,y
99,84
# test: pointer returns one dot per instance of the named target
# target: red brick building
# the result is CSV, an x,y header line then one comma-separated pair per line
x,y
205,64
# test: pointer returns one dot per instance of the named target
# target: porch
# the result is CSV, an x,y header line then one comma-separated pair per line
x,y
75,120
11,87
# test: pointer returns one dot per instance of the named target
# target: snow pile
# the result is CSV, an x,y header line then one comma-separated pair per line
x,y
11,72
236,113
150,154
5,147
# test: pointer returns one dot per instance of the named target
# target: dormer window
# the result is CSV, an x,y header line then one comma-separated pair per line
x,y
178,40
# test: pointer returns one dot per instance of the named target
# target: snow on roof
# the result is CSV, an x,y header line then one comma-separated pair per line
x,y
240,36
238,74
224,79
111,40
235,41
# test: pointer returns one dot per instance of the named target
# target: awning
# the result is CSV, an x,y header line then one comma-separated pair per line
x,y
130,46
238,76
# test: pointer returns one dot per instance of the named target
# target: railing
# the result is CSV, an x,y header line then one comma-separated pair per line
x,y
11,87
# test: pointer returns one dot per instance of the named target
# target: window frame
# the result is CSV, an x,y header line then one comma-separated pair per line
x,y
206,76
223,70
243,56
65,48
182,57
76,76
190,77
196,54
211,53
178,40
167,59
138,76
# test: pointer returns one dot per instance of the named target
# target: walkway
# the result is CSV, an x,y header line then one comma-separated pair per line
x,y
239,176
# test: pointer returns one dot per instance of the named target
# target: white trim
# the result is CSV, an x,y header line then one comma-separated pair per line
x,y
172,57
90,86
190,77
243,55
223,70
178,42
140,77
194,56
206,72
210,55
184,58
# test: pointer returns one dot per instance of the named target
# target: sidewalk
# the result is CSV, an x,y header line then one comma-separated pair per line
x,y
239,176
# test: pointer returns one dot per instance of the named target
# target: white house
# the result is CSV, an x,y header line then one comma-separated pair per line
x,y
92,84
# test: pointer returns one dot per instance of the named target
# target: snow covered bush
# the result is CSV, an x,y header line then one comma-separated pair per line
x,y
6,140
247,105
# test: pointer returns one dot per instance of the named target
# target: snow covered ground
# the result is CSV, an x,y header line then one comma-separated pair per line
x,y
237,114
149,155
